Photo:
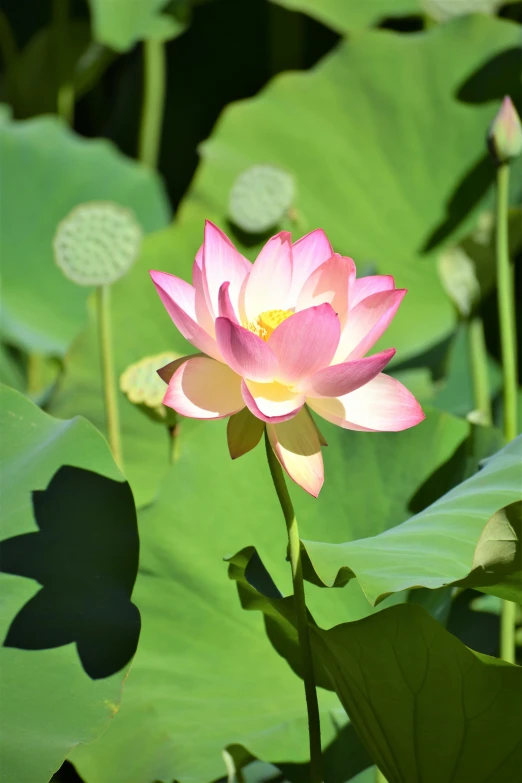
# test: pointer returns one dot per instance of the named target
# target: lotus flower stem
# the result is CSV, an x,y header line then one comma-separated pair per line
x,y
153,101
479,370
506,307
65,102
108,374
314,726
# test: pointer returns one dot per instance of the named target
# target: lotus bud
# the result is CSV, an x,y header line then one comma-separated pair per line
x,y
505,133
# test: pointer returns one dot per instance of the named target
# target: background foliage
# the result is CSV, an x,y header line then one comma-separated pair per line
x,y
373,116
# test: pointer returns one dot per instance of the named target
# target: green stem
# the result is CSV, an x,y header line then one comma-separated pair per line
x,y
61,32
173,433
507,631
153,101
314,726
479,370
506,308
379,777
65,103
35,363
108,374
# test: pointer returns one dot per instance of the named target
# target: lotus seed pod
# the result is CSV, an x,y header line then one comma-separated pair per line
x,y
457,273
144,387
260,197
97,243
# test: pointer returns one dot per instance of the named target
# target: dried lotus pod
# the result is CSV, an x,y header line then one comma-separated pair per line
x,y
260,197
143,387
97,243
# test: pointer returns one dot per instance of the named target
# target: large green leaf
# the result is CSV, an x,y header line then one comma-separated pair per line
x,y
404,680
462,537
69,558
374,165
348,15
120,23
46,170
203,677
455,393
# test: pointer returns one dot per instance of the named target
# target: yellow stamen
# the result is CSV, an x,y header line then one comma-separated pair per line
x,y
266,322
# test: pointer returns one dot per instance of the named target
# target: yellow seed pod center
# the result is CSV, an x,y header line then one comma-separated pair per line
x,y
267,321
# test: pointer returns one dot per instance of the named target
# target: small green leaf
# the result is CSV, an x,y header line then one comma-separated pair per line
x,y
120,23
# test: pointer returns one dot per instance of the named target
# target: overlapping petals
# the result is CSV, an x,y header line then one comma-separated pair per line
x,y
305,342
277,337
297,446
381,405
202,388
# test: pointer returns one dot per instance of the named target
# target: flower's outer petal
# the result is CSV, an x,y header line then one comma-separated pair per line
x,y
382,405
322,439
225,306
167,371
268,285
297,447
271,402
221,262
372,284
308,253
178,298
340,379
366,323
202,388
203,314
244,432
305,342
245,352
329,283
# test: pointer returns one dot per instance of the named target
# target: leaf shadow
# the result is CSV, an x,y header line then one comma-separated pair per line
x,y
466,195
85,556
497,77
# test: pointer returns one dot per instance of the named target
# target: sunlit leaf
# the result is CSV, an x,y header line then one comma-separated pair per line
x,y
464,537
403,679
390,174
209,507
46,170
69,556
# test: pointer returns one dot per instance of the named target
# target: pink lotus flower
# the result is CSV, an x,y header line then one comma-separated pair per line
x,y
277,337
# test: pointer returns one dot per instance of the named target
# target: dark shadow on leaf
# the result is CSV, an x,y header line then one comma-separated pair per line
x,y
85,556
444,478
481,443
466,195
343,759
498,77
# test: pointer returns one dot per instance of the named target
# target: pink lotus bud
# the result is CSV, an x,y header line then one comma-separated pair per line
x,y
505,133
